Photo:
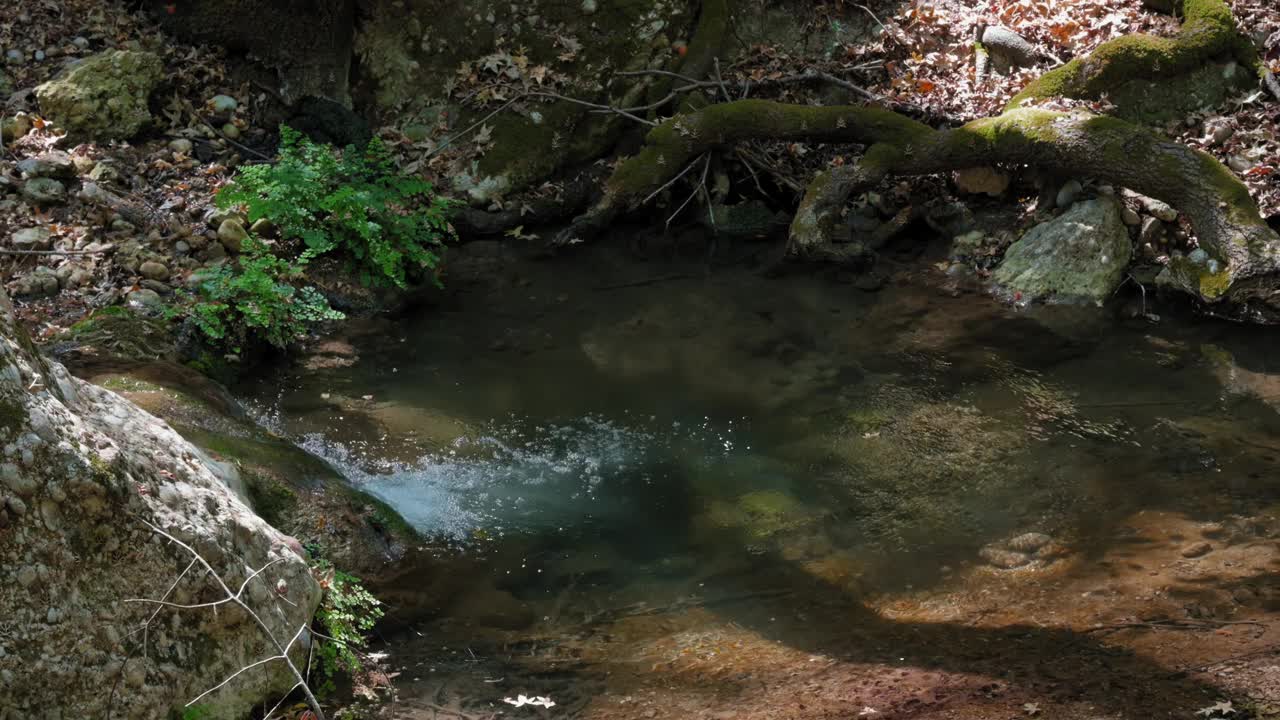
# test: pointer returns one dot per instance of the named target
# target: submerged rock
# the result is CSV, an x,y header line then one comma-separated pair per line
x,y
1029,542
747,220
1004,559
1196,550
760,514
982,180
1079,256
103,97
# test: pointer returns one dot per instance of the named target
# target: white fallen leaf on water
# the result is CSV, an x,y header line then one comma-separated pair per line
x,y
1218,709
537,701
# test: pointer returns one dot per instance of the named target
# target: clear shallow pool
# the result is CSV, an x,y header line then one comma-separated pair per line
x,y
660,463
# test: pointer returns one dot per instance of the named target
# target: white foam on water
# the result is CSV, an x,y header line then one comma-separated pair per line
x,y
520,475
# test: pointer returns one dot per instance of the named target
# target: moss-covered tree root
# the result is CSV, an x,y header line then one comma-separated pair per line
x,y
1208,30
1246,252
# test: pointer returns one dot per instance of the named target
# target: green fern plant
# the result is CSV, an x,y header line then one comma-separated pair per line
x,y
347,611
390,228
257,297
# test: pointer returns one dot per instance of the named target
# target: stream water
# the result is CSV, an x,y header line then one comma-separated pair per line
x,y
724,496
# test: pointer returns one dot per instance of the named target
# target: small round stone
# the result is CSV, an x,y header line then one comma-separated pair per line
x,y
223,104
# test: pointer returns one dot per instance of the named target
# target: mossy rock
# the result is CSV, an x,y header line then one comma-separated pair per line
x,y
760,514
116,332
416,51
1077,257
862,421
103,97
295,491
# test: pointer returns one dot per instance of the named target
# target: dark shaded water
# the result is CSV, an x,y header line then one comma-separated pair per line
x,y
702,437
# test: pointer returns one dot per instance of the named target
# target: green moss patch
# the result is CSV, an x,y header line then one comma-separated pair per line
x,y
1208,30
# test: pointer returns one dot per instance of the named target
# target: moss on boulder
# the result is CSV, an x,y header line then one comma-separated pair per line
x,y
296,492
103,97
760,514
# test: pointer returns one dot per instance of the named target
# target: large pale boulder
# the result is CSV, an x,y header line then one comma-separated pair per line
x,y
82,474
1079,256
103,97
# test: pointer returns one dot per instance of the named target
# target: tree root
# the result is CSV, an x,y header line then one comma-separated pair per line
x,y
816,226
1244,265
1246,252
1208,29
473,222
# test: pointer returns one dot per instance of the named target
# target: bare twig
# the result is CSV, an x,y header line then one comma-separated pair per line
x,y
645,281
706,194
473,126
218,131
828,77
235,598
595,106
1175,625
693,194
746,85
146,627
663,73
868,11
672,181
746,162
720,80
283,654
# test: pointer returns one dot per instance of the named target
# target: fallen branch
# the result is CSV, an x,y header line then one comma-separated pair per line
x,y
218,131
725,85
595,106
477,124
